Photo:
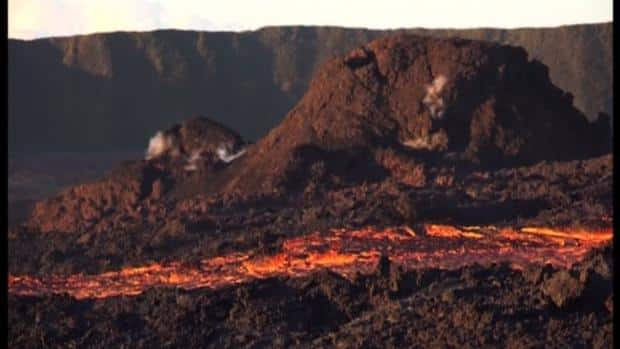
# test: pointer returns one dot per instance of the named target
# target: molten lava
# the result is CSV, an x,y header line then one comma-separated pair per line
x,y
343,251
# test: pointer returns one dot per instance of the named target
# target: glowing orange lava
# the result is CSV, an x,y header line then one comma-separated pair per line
x,y
343,251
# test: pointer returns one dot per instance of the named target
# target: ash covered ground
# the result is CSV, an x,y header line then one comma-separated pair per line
x,y
403,131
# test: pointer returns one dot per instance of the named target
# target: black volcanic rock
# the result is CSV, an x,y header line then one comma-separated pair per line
x,y
563,288
467,308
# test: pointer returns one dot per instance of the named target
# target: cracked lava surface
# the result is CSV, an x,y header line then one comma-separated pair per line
x,y
346,252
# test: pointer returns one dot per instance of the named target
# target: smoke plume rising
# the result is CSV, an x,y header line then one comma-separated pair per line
x,y
433,99
159,145
225,155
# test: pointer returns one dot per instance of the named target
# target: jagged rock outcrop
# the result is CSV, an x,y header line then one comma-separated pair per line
x,y
131,84
137,191
403,131
410,111
399,104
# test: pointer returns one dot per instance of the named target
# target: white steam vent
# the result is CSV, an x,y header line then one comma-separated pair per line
x,y
224,153
433,100
159,145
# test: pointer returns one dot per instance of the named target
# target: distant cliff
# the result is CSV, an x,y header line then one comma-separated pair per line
x,y
113,91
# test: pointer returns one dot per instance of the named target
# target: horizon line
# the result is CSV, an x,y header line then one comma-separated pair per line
x,y
241,31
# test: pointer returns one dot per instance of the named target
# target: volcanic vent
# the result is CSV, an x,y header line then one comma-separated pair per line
x,y
419,112
400,104
404,130
177,160
433,160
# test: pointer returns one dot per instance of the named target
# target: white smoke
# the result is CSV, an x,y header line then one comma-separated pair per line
x,y
159,145
433,100
223,152
162,143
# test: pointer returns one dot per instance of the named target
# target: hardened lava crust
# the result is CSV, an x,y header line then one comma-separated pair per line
x,y
465,145
471,307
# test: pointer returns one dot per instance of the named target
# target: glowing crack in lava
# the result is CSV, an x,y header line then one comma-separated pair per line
x,y
346,252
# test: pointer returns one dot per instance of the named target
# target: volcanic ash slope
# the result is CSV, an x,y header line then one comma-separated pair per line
x,y
177,160
401,114
402,103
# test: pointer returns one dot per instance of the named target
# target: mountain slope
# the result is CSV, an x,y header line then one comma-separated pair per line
x,y
402,104
408,111
115,90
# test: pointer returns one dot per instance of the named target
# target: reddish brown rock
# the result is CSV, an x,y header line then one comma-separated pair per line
x,y
136,191
438,100
562,288
417,111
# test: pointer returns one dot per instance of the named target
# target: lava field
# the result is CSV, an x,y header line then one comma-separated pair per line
x,y
424,192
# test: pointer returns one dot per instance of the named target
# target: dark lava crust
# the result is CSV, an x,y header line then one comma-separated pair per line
x,y
366,145
575,193
472,307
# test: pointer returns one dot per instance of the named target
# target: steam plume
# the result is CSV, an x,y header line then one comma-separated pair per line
x,y
224,154
433,100
163,143
159,145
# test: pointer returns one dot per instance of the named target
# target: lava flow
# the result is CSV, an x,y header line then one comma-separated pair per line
x,y
343,251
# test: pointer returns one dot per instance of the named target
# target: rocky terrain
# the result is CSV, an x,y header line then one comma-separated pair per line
x,y
113,91
405,130
363,130
36,176
170,75
467,308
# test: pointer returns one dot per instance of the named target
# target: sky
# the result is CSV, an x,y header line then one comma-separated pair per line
x,y
30,19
